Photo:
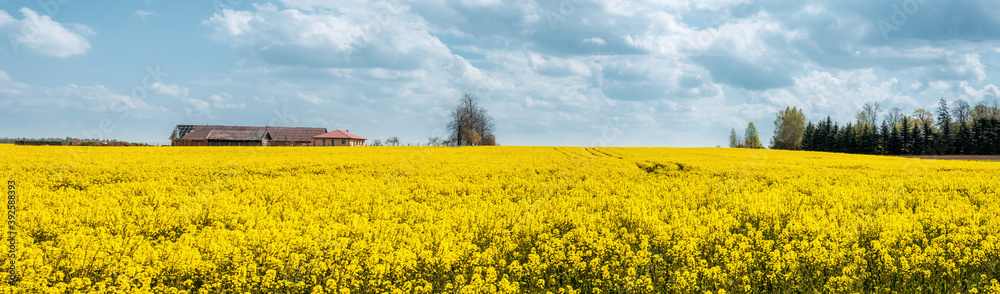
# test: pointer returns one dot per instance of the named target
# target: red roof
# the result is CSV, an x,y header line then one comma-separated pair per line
x,y
338,134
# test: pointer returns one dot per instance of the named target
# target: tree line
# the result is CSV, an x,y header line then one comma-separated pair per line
x,y
748,140
954,129
69,141
788,130
469,124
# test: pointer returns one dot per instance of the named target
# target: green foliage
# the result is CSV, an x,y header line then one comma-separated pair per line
x,y
978,134
750,139
789,128
807,137
945,143
734,140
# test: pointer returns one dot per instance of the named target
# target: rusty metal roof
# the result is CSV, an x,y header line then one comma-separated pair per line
x,y
291,134
230,135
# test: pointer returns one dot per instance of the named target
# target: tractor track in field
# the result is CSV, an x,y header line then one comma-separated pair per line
x,y
602,153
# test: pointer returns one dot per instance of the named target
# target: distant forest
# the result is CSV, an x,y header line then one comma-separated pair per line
x,y
954,129
68,141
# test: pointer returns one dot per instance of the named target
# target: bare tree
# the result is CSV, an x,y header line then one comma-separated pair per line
x,y
962,111
470,125
376,142
996,109
488,141
392,141
872,110
434,141
893,116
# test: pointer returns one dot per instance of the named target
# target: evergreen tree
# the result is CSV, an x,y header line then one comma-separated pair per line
x,y
850,143
807,135
986,136
885,138
963,139
820,142
895,142
944,125
831,138
910,135
839,141
928,139
904,131
993,133
862,139
979,145
918,140
871,140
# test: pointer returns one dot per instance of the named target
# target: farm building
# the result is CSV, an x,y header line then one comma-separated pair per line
x,y
194,135
338,138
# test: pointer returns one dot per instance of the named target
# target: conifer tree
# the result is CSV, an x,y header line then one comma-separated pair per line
x,y
886,138
895,142
944,127
904,132
807,137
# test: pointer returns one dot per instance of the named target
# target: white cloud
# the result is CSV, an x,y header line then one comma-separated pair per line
x,y
44,36
195,106
97,99
224,100
555,66
962,90
143,14
595,41
201,107
839,95
987,92
371,36
231,23
311,98
172,90
10,90
963,67
652,79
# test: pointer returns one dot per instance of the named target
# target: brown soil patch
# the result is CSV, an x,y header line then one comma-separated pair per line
x,y
956,157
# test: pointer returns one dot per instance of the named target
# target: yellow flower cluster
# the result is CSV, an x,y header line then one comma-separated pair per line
x,y
498,220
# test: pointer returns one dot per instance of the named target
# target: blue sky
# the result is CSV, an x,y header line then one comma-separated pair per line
x,y
570,72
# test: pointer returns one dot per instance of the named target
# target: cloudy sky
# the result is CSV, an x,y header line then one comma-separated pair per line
x,y
561,72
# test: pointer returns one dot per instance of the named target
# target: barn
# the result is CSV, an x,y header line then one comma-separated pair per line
x,y
197,135
237,138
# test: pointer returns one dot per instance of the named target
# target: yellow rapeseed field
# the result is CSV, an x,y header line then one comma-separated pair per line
x,y
498,220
